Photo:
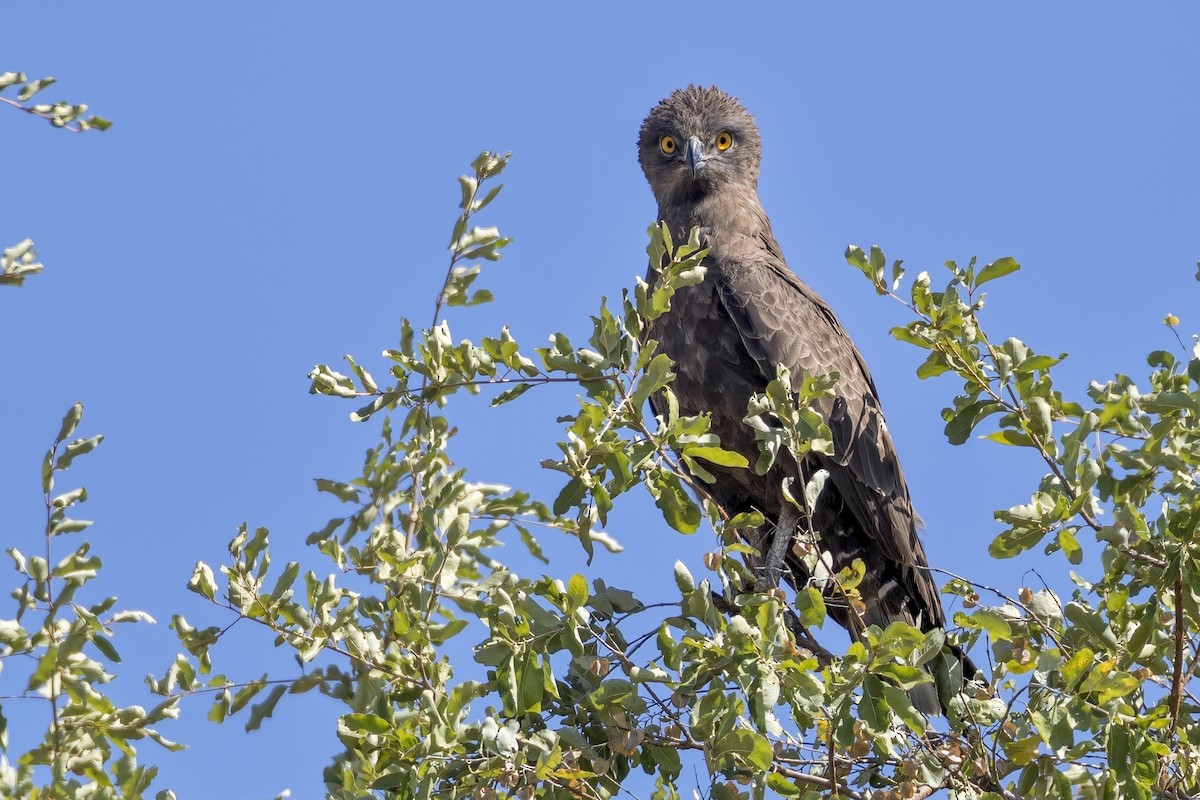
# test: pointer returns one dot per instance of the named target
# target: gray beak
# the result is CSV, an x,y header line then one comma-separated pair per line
x,y
695,155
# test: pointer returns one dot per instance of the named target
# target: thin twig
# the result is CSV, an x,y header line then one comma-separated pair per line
x,y
67,126
51,609
1016,602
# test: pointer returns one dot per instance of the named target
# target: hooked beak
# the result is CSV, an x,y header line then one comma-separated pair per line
x,y
695,157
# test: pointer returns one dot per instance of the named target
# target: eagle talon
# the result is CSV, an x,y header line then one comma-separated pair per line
x,y
778,540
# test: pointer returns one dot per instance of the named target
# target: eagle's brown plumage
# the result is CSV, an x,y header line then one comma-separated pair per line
x,y
726,337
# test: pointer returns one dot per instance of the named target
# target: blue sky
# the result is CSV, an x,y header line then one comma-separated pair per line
x,y
279,185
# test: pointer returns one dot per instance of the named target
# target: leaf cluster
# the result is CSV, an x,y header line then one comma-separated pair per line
x,y
1100,699
62,646
459,676
577,684
65,115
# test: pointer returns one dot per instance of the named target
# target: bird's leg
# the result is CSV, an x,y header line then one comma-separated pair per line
x,y
769,565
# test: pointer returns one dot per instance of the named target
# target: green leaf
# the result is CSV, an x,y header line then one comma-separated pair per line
x,y
75,449
469,186
964,420
1070,546
106,648
64,526
717,455
202,581
899,702
935,364
856,258
70,422
531,544
987,620
612,692
342,491
665,758
1015,541
1021,751
285,580
872,709
531,684
897,274
1090,621
781,785
683,578
33,87
392,780
510,394
658,374
577,591
1037,363
698,470
743,748
747,519
1010,437
810,605
677,508
365,724
45,668
904,675
570,496
997,269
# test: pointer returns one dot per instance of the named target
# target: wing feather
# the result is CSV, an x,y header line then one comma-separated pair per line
x,y
781,320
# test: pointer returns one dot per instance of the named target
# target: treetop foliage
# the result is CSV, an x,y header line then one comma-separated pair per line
x,y
20,261
580,686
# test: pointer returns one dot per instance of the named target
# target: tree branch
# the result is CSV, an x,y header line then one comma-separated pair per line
x,y
1176,697
837,789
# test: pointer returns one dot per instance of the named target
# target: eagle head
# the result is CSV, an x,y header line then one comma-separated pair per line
x,y
698,140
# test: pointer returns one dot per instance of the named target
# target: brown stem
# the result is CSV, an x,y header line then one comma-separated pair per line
x,y
833,784
1177,679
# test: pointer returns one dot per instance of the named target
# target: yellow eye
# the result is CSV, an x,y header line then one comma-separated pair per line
x,y
725,141
667,144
